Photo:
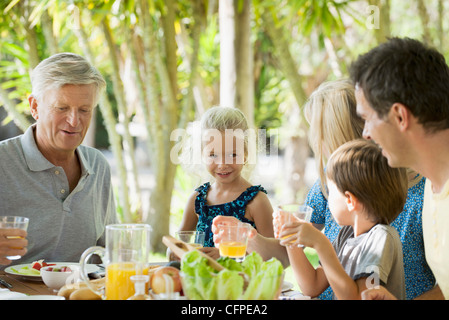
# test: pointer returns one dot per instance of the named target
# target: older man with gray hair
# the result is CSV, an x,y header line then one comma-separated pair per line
x,y
63,187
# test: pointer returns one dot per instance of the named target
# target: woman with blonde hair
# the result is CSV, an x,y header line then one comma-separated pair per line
x,y
331,113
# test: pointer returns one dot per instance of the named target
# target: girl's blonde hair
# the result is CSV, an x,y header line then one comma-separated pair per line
x,y
226,118
359,167
331,113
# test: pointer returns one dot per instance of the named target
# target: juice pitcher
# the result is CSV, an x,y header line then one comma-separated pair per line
x,y
125,254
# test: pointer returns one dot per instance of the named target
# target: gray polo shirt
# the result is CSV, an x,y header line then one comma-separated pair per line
x,y
62,223
376,255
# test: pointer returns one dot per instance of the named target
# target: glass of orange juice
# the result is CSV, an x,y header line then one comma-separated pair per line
x,y
287,213
194,238
125,255
14,222
234,240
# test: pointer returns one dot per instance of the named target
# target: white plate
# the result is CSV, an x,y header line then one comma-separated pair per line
x,y
286,286
90,268
39,297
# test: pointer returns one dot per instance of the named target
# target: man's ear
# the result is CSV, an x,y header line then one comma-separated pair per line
x,y
352,202
400,115
33,107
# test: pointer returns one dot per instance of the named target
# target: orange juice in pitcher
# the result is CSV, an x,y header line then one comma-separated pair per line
x,y
125,255
118,280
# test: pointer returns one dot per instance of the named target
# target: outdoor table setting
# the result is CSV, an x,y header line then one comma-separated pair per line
x,y
16,286
126,274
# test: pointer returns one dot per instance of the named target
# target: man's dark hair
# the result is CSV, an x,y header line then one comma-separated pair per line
x,y
404,70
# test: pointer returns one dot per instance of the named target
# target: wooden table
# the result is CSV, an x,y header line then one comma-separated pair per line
x,y
30,287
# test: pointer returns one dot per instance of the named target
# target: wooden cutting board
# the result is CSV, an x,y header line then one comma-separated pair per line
x,y
180,248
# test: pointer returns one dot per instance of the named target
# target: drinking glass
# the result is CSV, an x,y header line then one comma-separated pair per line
x,y
13,222
125,255
194,238
287,213
234,240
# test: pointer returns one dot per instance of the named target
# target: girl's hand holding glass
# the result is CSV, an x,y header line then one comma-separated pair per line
x,y
233,240
231,221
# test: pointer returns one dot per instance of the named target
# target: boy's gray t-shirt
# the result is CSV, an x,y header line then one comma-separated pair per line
x,y
376,254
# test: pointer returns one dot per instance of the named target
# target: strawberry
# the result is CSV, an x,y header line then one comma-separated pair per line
x,y
40,264
36,265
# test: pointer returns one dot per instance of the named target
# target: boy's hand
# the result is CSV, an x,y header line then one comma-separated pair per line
x,y
279,219
299,233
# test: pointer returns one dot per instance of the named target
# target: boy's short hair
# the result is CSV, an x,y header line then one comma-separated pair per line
x,y
404,70
359,167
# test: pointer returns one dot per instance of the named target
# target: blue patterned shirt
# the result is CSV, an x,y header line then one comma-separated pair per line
x,y
418,276
206,213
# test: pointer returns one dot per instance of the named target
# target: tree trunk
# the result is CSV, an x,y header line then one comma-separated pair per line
x,y
236,57
163,110
384,30
424,16
228,73
30,35
128,144
440,30
47,29
110,124
297,142
19,119
195,82
286,61
244,59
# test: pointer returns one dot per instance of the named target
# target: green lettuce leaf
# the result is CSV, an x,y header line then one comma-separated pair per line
x,y
198,278
265,283
229,285
201,282
252,264
230,264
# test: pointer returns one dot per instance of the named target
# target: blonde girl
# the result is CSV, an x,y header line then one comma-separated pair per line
x,y
225,155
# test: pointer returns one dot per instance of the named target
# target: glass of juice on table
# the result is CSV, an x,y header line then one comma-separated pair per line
x,y
234,240
14,222
194,238
287,213
125,255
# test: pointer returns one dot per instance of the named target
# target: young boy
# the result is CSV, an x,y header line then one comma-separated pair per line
x,y
365,196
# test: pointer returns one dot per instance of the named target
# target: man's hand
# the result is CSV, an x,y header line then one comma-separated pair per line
x,y
13,242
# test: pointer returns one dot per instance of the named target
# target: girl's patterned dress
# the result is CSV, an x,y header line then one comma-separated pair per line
x,y
207,213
